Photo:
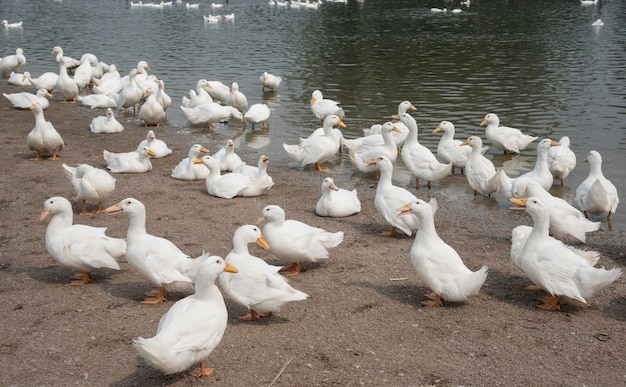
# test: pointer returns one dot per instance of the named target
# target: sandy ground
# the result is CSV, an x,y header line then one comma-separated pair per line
x,y
363,323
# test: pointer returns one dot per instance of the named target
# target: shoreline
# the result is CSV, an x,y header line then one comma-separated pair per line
x,y
363,322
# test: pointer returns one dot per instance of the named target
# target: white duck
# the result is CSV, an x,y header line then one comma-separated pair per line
x,y
151,112
192,328
164,99
437,263
511,140
82,73
6,25
210,113
79,247
198,96
229,185
337,202
106,124
596,195
12,63
110,82
294,241
390,197
236,98
317,149
187,169
270,81
448,148
258,174
71,62
131,94
65,84
323,108
553,267
257,113
137,161
24,100
561,159
540,172
419,159
257,285
19,79
156,259
565,220
43,138
388,149
480,172
403,107
45,81
159,147
94,101
217,90
227,158
90,184
520,234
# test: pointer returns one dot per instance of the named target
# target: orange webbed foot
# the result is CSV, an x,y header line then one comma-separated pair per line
x,y
435,300
80,279
199,372
551,303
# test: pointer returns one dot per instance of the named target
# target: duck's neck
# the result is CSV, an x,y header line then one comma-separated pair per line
x,y
595,170
541,224
427,227
412,137
136,225
60,220
206,289
542,160
240,247
385,177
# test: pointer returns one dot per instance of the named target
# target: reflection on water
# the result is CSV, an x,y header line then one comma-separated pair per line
x,y
539,65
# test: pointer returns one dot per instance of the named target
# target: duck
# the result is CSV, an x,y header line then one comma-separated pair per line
x,y
373,135
98,101
257,285
270,81
437,263
317,149
227,158
448,148
598,23
388,148
192,328
79,247
65,84
258,174
596,195
210,113
553,267
110,82
43,138
257,113
236,98
131,94
217,90
24,99
159,147
198,96
137,161
294,241
106,124
322,107
419,159
19,79
12,63
520,234
561,159
230,185
187,169
6,25
566,222
46,81
155,259
162,97
540,172
71,62
151,112
480,172
82,73
90,184
389,197
510,140
337,202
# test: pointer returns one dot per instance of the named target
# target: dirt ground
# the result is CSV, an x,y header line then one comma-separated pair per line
x,y
362,325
